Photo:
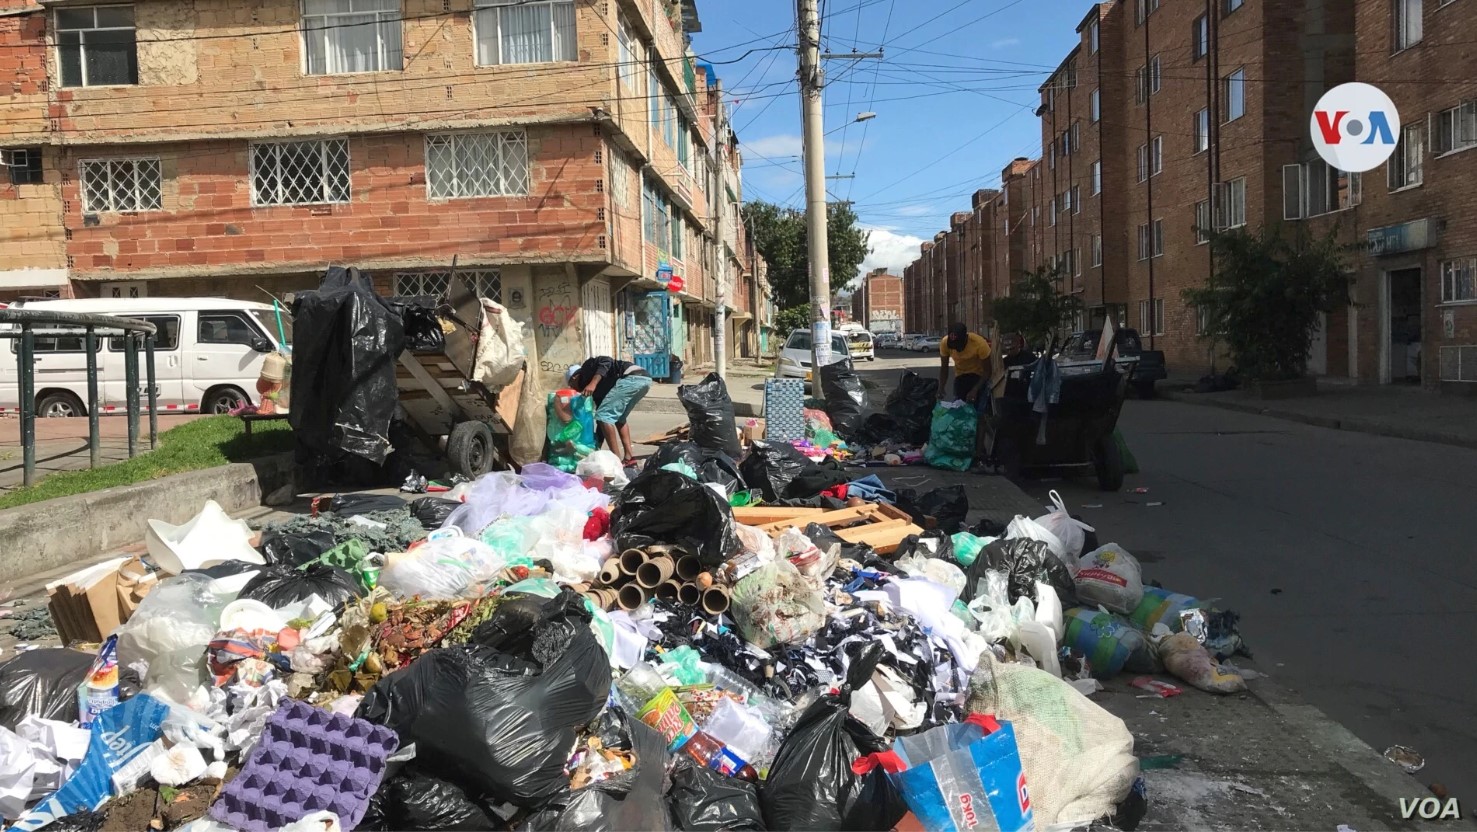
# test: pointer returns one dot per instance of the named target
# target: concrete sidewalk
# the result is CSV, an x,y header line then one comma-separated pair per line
x,y
61,444
1400,412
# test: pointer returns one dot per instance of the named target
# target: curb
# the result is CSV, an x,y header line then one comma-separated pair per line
x,y
1354,424
72,530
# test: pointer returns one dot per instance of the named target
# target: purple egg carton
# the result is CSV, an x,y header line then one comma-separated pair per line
x,y
308,760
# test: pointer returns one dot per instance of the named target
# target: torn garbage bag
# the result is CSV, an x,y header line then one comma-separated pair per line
x,y
630,800
667,507
346,340
280,586
812,785
702,800
770,468
500,716
1026,562
42,683
710,412
416,799
845,397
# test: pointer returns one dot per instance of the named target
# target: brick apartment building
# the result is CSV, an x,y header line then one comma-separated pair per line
x,y
878,303
1170,117
566,152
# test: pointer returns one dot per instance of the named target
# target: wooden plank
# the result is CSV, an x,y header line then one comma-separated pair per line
x,y
884,542
430,385
761,515
832,518
508,400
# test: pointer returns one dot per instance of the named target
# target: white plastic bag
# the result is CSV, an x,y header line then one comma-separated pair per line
x,y
1066,530
934,569
1110,577
1049,611
168,633
1025,528
605,465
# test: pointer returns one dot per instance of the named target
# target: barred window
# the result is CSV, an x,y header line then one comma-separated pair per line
x,y
477,164
300,173
487,283
121,185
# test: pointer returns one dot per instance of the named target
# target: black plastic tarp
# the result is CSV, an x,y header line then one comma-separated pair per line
x,y
345,342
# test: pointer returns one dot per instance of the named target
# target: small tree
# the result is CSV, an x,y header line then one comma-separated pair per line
x,y
788,320
1266,293
1035,308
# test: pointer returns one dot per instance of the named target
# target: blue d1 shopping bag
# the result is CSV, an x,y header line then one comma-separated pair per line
x,y
961,777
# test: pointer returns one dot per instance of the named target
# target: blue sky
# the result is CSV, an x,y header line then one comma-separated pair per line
x,y
953,100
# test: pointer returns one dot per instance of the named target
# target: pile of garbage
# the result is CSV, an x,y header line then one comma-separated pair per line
x,y
555,650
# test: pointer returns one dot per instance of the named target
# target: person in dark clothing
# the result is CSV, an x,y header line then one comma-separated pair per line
x,y
617,387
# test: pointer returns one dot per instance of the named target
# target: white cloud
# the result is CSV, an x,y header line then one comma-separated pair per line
x,y
1005,43
890,250
919,210
774,147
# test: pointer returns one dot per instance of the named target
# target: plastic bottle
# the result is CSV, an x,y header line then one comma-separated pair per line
x,y
659,706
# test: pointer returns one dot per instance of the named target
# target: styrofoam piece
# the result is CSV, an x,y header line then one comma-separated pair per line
x,y
308,760
249,615
209,538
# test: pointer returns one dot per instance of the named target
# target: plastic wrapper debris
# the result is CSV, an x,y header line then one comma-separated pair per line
x,y
702,800
500,715
346,340
815,562
416,799
770,468
626,801
959,777
1026,562
666,507
603,465
1160,606
845,397
1187,659
710,412
1110,644
1078,758
1109,576
812,785
504,494
910,405
934,569
42,683
951,436
1069,532
280,586
931,544
169,632
776,605
432,512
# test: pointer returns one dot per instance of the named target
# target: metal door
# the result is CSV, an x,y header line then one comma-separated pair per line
x,y
652,343
598,318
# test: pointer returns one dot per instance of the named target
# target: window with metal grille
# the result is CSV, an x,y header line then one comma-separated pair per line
x,y
477,164
1459,280
23,165
620,180
121,185
486,283
1406,167
300,173
96,46
351,36
523,32
1454,129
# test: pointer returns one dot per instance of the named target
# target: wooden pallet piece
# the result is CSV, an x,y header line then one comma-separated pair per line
x,y
762,515
879,525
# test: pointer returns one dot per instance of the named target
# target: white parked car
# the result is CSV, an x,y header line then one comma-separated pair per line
x,y
207,358
795,355
927,343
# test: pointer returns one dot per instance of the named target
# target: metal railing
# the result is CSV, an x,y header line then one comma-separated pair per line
x,y
23,325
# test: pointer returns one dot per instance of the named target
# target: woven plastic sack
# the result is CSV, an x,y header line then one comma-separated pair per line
x,y
1078,758
1109,643
774,604
951,436
959,777
500,351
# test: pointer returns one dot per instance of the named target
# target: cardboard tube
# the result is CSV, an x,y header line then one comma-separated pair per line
x,y
689,595
655,572
668,591
611,574
688,568
715,600
631,596
606,598
657,550
631,560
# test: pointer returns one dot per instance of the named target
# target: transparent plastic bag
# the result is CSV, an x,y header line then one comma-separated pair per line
x,y
604,465
169,632
776,605
441,569
934,569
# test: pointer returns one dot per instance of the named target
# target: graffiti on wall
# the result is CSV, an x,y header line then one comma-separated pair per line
x,y
557,309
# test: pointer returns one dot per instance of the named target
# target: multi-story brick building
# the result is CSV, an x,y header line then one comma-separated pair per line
x,y
563,151
878,302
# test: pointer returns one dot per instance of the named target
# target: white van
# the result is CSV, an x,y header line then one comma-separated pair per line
x,y
207,356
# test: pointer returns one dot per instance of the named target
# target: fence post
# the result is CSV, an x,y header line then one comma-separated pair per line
x,y
149,341
130,376
94,453
26,371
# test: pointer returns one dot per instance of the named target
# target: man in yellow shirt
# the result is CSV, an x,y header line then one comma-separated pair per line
x,y
971,354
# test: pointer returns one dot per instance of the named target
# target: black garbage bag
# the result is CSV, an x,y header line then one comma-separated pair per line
x,y
417,799
279,586
878,427
345,343
771,466
931,544
677,450
819,476
947,505
295,548
225,569
710,412
911,406
702,800
824,536
42,683
992,528
811,785
667,507
422,328
711,466
501,724
630,800
432,512
846,397
1025,562
353,505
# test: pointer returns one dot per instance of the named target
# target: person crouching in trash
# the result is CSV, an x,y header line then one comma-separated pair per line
x,y
617,387
971,354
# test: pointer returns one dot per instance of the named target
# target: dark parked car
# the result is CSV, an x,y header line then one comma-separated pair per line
x,y
1143,366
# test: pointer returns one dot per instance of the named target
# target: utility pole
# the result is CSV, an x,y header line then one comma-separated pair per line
x,y
812,114
718,210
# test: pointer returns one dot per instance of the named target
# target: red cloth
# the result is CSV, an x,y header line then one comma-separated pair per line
x,y
598,525
837,491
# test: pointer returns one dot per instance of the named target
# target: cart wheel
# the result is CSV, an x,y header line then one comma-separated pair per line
x,y
1109,464
470,449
